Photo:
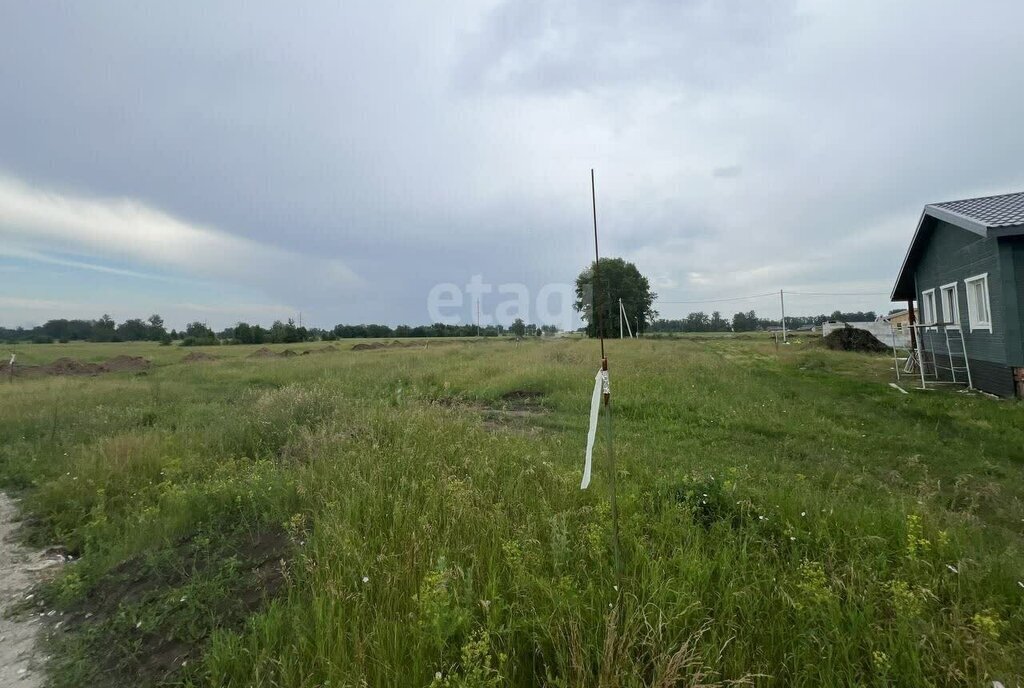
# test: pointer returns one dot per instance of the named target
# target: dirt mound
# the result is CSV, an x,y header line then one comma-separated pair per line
x,y
72,366
197,356
125,364
287,353
262,352
395,344
323,350
852,339
65,366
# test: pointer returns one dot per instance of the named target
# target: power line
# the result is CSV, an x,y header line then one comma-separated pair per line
x,y
773,293
837,294
732,298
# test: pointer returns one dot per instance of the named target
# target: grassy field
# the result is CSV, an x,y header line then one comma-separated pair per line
x,y
413,517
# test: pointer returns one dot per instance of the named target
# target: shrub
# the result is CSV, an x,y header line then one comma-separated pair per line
x,y
199,341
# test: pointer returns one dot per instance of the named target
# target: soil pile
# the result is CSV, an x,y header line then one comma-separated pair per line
x,y
197,356
324,350
852,339
395,344
264,352
125,364
72,366
371,346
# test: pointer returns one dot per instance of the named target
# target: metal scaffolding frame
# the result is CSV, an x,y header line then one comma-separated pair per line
x,y
928,354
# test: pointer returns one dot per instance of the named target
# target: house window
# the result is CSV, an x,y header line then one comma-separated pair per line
x,y
928,306
950,305
978,311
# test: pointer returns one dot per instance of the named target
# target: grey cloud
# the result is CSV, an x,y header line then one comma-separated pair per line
x,y
423,143
551,47
727,172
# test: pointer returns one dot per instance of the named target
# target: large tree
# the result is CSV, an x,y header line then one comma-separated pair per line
x,y
616,279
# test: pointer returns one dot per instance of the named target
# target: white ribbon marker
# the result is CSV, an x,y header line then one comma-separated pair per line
x,y
600,387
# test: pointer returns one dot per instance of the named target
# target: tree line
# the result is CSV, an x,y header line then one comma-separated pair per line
x,y
750,322
105,329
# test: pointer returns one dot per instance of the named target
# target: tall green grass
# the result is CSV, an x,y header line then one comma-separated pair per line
x,y
787,519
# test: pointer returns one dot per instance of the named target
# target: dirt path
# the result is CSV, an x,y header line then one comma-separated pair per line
x,y
20,568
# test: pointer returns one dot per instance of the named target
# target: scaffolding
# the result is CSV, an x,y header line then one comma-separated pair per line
x,y
940,356
902,351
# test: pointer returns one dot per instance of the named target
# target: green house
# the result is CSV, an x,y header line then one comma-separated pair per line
x,y
965,270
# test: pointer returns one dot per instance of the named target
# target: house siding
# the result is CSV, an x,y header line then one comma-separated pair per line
x,y
951,255
1012,273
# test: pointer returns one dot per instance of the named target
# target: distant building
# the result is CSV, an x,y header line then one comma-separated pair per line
x,y
880,329
899,320
965,269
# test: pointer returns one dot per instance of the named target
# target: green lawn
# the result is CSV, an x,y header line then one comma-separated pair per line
x,y
408,517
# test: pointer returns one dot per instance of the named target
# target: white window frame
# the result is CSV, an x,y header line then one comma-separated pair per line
x,y
954,315
929,318
975,323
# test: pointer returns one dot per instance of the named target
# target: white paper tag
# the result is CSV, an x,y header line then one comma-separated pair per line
x,y
601,386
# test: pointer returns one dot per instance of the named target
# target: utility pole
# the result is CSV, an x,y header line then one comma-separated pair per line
x,y
478,317
782,303
620,318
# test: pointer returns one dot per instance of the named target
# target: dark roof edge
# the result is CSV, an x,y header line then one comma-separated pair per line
x,y
903,265
1008,230
957,219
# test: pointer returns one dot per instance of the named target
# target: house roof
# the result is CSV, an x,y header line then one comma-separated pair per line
x,y
989,216
1006,210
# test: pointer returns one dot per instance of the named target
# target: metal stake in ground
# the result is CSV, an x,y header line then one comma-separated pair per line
x,y
606,394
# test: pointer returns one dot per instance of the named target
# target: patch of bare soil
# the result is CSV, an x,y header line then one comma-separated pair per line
x,y
251,571
72,366
522,396
517,411
198,357
20,658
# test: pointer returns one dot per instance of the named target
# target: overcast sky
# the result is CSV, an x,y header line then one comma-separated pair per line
x,y
227,161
